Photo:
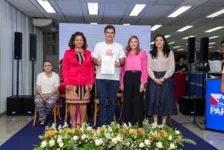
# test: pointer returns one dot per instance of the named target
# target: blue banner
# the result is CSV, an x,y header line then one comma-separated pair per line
x,y
214,105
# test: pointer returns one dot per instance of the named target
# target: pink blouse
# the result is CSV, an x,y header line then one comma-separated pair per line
x,y
161,63
135,62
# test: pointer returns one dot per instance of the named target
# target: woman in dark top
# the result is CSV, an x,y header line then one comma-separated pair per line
x,y
180,79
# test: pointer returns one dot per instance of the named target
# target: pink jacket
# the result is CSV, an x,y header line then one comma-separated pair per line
x,y
75,73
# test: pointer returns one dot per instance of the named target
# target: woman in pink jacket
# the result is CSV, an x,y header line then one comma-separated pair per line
x,y
133,78
78,75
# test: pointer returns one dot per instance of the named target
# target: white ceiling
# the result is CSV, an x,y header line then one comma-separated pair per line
x,y
156,12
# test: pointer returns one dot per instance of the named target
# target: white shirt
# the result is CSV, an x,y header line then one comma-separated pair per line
x,y
47,84
118,52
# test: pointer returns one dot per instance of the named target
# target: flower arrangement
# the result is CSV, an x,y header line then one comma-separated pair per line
x,y
112,137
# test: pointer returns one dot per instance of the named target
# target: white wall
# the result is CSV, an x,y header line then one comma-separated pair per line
x,y
12,21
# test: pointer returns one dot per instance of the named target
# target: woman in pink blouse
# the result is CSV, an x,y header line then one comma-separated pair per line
x,y
133,78
161,66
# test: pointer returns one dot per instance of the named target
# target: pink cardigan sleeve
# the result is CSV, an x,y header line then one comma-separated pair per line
x,y
144,76
65,68
122,74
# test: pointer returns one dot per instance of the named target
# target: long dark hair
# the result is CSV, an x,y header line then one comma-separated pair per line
x,y
73,37
166,49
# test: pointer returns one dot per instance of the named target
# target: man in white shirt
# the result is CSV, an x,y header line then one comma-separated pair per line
x,y
108,84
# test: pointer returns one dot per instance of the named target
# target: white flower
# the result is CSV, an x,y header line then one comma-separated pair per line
x,y
99,142
170,138
43,144
89,128
75,138
51,143
114,140
83,137
61,145
129,124
59,139
177,132
172,146
110,129
128,143
53,126
119,139
159,145
118,125
107,135
125,125
147,142
141,145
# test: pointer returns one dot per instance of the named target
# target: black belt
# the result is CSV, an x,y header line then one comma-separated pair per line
x,y
133,71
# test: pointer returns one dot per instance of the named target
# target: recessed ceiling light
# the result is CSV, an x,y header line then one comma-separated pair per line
x,y
212,43
184,28
167,36
216,14
93,8
137,9
185,38
179,11
155,27
218,50
213,37
152,42
47,6
214,29
126,24
171,43
176,47
211,46
93,23
180,49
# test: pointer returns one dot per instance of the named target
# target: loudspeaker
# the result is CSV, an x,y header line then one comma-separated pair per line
x,y
28,105
14,106
18,45
204,49
191,49
33,46
186,105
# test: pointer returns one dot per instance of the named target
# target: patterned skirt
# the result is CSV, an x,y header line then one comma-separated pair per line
x,y
78,94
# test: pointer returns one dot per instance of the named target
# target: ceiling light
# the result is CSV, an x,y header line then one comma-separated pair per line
x,y
152,42
171,43
137,9
213,37
155,27
126,24
211,46
93,23
47,6
218,50
214,29
93,8
216,14
176,47
188,37
184,28
212,43
180,49
179,11
167,36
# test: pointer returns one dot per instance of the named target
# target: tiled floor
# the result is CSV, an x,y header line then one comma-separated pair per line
x,y
10,125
